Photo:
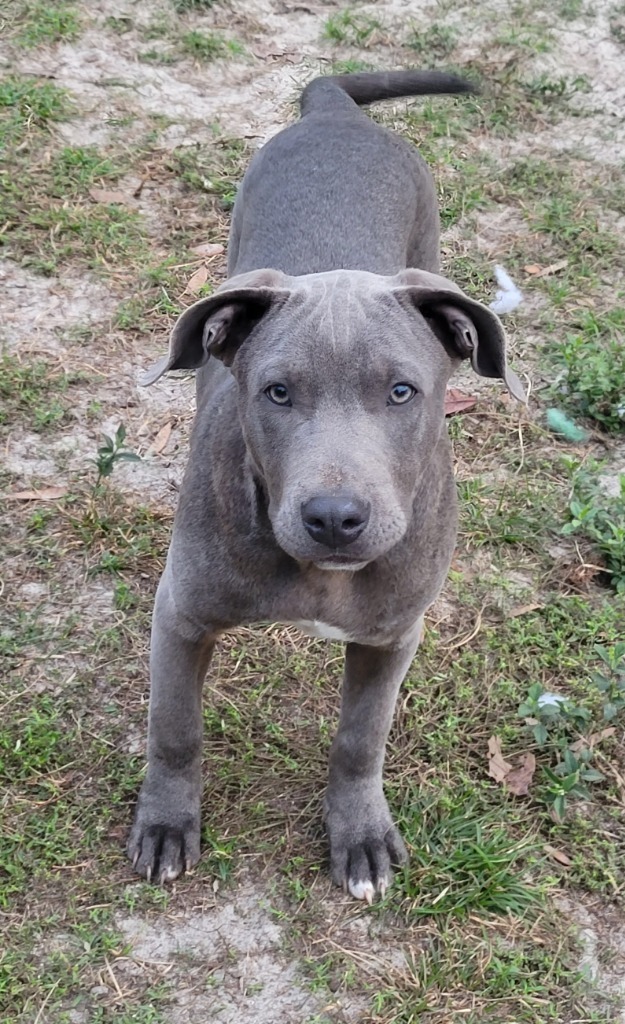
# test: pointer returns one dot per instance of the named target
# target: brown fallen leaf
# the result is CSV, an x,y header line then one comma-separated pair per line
x,y
457,401
588,742
523,609
519,779
553,268
106,195
196,281
558,855
44,494
160,441
498,767
208,249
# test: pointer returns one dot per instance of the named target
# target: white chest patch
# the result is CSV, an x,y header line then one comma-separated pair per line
x,y
322,630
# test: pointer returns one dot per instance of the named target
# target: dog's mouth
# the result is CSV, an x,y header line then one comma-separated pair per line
x,y
340,562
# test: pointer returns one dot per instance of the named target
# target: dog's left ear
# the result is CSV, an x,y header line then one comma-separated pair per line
x,y
219,324
466,327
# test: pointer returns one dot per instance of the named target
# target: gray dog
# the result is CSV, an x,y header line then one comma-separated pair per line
x,y
319,489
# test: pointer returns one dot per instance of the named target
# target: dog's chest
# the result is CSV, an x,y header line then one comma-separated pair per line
x,y
313,627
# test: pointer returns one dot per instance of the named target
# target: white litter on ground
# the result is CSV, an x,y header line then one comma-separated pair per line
x,y
508,296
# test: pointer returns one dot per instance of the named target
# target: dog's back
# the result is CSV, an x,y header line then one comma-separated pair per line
x,y
337,191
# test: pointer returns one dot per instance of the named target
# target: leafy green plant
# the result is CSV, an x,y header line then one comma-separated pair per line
x,y
192,5
433,43
111,451
611,681
209,46
560,727
593,381
601,518
351,28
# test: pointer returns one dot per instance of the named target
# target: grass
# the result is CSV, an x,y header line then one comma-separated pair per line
x,y
592,380
33,393
351,29
40,22
468,933
27,105
433,44
209,46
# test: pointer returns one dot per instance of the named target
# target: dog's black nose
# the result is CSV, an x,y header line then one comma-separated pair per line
x,y
335,521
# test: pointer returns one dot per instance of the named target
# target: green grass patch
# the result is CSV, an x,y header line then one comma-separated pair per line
x,y
33,393
39,22
433,44
482,976
463,859
599,515
209,46
182,6
216,169
592,379
350,28
50,218
27,105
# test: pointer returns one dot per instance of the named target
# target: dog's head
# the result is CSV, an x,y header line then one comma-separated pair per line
x,y
341,381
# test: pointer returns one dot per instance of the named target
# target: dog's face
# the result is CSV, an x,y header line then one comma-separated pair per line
x,y
341,380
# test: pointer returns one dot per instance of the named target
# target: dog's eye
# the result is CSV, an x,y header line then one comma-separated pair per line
x,y
401,393
278,394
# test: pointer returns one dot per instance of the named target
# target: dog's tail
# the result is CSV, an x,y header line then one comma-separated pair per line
x,y
363,87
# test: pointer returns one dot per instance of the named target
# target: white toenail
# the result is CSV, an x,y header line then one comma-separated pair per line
x,y
362,890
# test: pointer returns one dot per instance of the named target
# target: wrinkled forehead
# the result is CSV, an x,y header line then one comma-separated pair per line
x,y
342,304
338,313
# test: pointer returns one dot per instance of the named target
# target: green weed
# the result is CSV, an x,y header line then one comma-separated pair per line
x,y
463,859
592,382
209,46
350,28
111,452
32,393
43,22
433,44
26,104
193,5
600,517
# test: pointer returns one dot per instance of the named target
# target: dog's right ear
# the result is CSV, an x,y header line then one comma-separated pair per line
x,y
219,324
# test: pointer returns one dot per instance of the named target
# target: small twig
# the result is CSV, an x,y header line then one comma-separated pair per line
x,y
47,1000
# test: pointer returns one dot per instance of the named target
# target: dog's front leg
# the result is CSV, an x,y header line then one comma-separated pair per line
x,y
165,837
364,842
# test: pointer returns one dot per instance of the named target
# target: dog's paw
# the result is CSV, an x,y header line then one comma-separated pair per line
x,y
362,857
159,851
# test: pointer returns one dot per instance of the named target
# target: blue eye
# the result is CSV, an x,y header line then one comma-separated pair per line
x,y
401,393
278,394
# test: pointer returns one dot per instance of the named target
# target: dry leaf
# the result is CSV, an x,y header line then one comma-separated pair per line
x,y
523,609
498,767
588,742
160,441
196,281
208,249
518,780
553,268
557,855
457,401
44,494
106,195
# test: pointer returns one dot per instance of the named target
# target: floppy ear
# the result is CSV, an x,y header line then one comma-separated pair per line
x,y
466,327
219,324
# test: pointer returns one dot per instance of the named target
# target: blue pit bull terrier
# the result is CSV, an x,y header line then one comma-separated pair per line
x,y
319,488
